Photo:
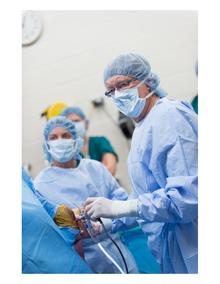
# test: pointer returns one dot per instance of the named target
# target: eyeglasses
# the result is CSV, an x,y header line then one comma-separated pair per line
x,y
122,85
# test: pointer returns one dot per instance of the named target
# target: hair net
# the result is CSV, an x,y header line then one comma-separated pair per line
x,y
75,110
59,121
135,66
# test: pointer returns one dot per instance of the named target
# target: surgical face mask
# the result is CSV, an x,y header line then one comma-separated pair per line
x,y
129,102
80,128
63,150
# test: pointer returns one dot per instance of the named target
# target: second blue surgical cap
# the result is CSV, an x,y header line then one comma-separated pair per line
x,y
75,110
137,67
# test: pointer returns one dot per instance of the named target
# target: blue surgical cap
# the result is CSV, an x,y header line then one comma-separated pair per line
x,y
75,110
137,67
59,121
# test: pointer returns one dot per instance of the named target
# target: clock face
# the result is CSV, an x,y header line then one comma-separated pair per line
x,y
31,27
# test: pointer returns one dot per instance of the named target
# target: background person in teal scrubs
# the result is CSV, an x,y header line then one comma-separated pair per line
x,y
96,148
195,104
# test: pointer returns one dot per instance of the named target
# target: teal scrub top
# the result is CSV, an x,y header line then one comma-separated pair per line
x,y
195,104
98,146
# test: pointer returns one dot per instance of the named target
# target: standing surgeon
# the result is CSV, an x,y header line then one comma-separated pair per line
x,y
162,165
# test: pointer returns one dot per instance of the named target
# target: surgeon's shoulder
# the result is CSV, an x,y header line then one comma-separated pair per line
x,y
165,107
172,111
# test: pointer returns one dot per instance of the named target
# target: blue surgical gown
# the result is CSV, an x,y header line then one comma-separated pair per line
x,y
49,207
162,165
44,250
72,187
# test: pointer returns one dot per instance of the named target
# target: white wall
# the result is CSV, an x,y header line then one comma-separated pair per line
x,y
66,65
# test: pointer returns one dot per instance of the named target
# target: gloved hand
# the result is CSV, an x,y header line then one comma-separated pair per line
x,y
97,207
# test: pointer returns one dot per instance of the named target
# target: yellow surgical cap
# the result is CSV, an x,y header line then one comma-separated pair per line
x,y
55,110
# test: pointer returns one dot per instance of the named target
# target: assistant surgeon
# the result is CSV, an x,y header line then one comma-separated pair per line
x,y
69,180
162,165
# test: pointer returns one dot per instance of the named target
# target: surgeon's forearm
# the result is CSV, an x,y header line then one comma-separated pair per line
x,y
171,205
97,207
125,208
109,160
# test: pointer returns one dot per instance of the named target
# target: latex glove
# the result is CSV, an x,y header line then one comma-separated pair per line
x,y
97,207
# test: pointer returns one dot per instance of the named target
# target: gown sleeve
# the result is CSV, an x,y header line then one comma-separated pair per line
x,y
48,206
